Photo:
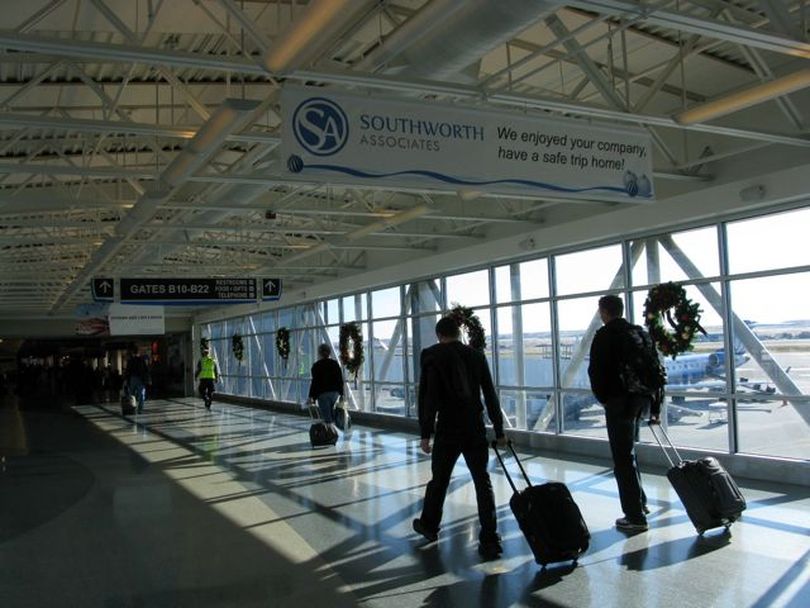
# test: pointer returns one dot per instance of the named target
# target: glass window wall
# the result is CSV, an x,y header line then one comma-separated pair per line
x,y
754,400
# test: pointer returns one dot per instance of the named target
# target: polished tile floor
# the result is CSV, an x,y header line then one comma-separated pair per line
x,y
182,507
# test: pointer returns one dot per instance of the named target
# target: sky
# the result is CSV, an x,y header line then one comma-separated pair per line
x,y
759,244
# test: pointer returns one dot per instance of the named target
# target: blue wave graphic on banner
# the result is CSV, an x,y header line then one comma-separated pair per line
x,y
461,182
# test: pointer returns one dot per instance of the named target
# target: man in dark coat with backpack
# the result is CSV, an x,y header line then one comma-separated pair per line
x,y
627,378
453,376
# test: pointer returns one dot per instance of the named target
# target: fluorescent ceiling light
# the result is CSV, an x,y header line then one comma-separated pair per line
x,y
745,99
303,40
395,220
304,254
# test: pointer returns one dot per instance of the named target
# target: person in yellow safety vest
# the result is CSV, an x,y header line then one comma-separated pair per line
x,y
208,374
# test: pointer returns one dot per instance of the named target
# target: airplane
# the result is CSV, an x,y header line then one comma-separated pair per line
x,y
692,371
685,372
694,368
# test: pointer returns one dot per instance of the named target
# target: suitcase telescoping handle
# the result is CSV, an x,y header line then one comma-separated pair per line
x,y
517,460
671,445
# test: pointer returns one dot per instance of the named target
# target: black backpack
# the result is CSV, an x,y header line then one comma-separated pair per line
x,y
640,368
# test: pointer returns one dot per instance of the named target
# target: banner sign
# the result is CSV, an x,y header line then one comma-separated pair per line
x,y
126,320
357,139
188,291
93,326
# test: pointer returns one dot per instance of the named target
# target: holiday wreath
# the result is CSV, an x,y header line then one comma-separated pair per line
x,y
469,321
350,332
283,343
668,300
237,347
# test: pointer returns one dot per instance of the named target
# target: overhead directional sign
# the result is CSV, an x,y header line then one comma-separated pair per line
x,y
271,289
188,291
103,290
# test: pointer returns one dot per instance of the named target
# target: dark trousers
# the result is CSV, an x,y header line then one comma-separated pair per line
x,y
623,416
445,454
207,390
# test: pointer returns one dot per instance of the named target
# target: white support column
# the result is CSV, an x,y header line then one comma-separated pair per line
x,y
260,350
358,314
517,345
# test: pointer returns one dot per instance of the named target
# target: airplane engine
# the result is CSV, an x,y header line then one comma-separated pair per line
x,y
715,360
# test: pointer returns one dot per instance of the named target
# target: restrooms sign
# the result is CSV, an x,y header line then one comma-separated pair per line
x,y
351,139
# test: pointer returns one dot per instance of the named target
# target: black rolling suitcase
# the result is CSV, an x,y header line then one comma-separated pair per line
x,y
548,517
320,433
708,493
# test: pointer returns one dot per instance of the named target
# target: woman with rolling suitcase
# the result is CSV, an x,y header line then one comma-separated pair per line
x,y
326,386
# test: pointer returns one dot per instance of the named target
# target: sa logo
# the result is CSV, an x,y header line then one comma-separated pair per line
x,y
320,126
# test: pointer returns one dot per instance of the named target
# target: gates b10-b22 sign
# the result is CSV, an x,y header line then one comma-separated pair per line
x,y
353,139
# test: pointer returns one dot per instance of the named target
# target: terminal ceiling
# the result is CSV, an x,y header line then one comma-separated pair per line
x,y
127,149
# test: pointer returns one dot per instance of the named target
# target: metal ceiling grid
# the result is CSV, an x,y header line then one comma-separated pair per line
x,y
99,99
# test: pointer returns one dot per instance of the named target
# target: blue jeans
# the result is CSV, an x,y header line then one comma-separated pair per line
x,y
622,417
138,389
326,403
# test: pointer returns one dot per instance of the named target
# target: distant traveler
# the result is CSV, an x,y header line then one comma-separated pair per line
x,y
453,376
327,384
623,407
208,375
137,377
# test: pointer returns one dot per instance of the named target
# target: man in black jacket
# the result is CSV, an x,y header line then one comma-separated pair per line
x,y
623,411
452,378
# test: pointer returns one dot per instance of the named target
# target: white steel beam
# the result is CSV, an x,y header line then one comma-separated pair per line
x,y
39,16
84,125
100,172
116,21
528,101
247,25
141,55
682,21
231,116
780,17
102,52
31,84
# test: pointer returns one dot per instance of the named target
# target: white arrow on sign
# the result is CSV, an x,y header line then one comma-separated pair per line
x,y
270,286
105,286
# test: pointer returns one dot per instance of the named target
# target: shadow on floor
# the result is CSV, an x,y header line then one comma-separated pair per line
x,y
672,552
502,589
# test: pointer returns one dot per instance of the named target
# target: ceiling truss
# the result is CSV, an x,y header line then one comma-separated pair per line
x,y
100,104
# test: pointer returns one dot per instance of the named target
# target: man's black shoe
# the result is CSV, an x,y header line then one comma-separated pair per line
x,y
420,528
490,549
627,525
